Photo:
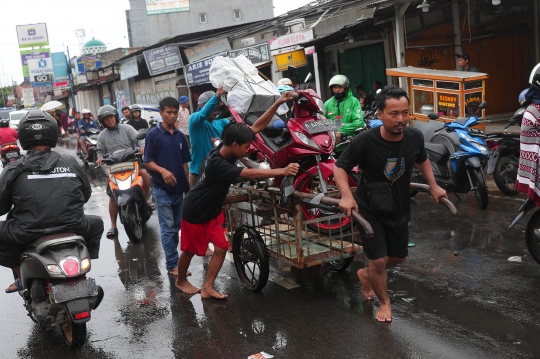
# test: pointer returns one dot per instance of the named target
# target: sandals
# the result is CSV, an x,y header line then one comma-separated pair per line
x,y
18,285
151,206
113,232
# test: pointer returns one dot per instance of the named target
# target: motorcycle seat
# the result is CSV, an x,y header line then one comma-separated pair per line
x,y
40,244
437,148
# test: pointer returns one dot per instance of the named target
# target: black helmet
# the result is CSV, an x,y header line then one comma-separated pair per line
x,y
534,79
4,123
105,111
37,127
134,108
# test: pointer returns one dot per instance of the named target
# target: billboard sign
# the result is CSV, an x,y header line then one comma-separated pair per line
x,y
28,97
163,59
295,58
207,49
294,39
60,69
32,54
41,71
32,35
129,69
198,72
88,63
257,54
157,7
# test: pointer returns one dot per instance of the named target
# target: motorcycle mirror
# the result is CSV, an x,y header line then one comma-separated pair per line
x,y
308,77
378,91
433,116
483,105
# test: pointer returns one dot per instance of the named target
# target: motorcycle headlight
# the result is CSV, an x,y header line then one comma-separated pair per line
x,y
306,140
480,147
333,136
92,141
123,184
320,103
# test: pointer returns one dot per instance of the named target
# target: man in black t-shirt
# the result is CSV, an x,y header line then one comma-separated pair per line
x,y
136,121
202,217
376,152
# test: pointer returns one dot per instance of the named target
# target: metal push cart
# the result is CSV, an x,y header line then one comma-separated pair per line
x,y
259,228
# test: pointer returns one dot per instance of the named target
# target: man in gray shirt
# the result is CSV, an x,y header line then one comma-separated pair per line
x,y
116,137
463,62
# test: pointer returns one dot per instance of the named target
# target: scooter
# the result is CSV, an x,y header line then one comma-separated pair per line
x,y
504,158
56,291
126,185
532,233
456,153
307,139
9,152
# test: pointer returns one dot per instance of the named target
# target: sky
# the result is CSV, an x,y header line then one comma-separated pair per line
x,y
103,19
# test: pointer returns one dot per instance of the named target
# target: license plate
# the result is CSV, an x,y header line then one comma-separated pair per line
x,y
81,289
318,126
12,154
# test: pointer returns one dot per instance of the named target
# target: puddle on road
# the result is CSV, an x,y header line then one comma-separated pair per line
x,y
470,315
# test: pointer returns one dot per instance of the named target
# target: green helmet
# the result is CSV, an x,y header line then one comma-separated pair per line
x,y
340,80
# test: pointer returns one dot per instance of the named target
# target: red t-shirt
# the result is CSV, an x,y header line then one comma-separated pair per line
x,y
8,135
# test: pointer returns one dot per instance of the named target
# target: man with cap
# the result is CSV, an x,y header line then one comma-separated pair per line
x,y
204,125
183,116
463,62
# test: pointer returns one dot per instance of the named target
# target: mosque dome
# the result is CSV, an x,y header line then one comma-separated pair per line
x,y
94,47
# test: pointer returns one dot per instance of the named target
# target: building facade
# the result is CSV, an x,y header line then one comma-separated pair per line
x,y
148,23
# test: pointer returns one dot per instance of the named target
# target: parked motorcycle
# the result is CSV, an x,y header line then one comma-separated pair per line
x,y
9,152
503,161
456,152
307,139
56,290
344,143
126,185
532,233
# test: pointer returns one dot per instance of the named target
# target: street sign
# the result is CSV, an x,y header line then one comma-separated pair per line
x,y
163,59
129,69
296,38
295,58
28,97
257,54
198,72
207,49
32,35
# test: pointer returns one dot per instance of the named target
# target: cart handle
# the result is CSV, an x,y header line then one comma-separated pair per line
x,y
420,187
335,202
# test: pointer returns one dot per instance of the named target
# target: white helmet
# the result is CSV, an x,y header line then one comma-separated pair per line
x,y
284,82
85,111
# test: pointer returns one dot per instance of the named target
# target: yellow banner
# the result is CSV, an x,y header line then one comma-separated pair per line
x,y
295,58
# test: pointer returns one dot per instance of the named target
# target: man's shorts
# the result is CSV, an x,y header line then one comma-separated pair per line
x,y
387,240
82,137
194,238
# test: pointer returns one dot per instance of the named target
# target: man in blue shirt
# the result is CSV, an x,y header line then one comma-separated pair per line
x,y
84,124
166,155
202,127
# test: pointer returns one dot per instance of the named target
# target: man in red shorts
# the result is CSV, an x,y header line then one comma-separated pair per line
x,y
202,216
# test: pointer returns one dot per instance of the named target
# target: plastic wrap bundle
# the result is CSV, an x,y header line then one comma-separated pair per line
x,y
247,92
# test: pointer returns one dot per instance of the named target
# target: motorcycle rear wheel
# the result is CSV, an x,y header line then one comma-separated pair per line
x,y
505,174
481,191
74,333
129,220
533,243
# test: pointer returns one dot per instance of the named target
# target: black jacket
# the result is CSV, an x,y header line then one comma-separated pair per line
x,y
47,190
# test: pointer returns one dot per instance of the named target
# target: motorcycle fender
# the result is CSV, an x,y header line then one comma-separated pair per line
x,y
123,198
78,306
327,169
492,162
473,162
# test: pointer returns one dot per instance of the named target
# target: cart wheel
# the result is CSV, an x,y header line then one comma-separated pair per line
x,y
340,265
251,258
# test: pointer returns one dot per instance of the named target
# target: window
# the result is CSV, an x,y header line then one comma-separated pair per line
x,y
237,14
448,85
448,104
423,102
425,83
472,101
203,19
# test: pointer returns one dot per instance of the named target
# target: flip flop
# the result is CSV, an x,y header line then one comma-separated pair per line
x,y
113,232
151,206
19,287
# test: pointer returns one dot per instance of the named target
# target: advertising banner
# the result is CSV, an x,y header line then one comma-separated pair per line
x,y
41,72
32,35
198,72
257,54
296,38
32,54
207,49
295,58
28,97
163,59
88,63
129,69
157,7
60,69
122,99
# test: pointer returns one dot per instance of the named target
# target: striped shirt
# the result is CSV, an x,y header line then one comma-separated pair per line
x,y
528,179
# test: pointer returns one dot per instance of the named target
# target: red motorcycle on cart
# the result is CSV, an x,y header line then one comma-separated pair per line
x,y
308,138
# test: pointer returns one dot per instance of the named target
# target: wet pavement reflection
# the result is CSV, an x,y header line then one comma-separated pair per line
x,y
457,296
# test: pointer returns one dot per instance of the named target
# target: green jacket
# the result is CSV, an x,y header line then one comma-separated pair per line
x,y
350,110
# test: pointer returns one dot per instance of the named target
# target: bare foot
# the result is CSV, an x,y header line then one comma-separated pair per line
x,y
209,252
384,314
212,293
367,290
186,287
174,273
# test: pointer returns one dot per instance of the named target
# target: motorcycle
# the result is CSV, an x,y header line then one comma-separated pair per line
x,y
308,139
504,159
341,146
72,126
56,291
532,233
91,146
456,152
126,186
9,152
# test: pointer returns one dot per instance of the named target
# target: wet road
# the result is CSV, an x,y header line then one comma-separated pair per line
x,y
457,296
